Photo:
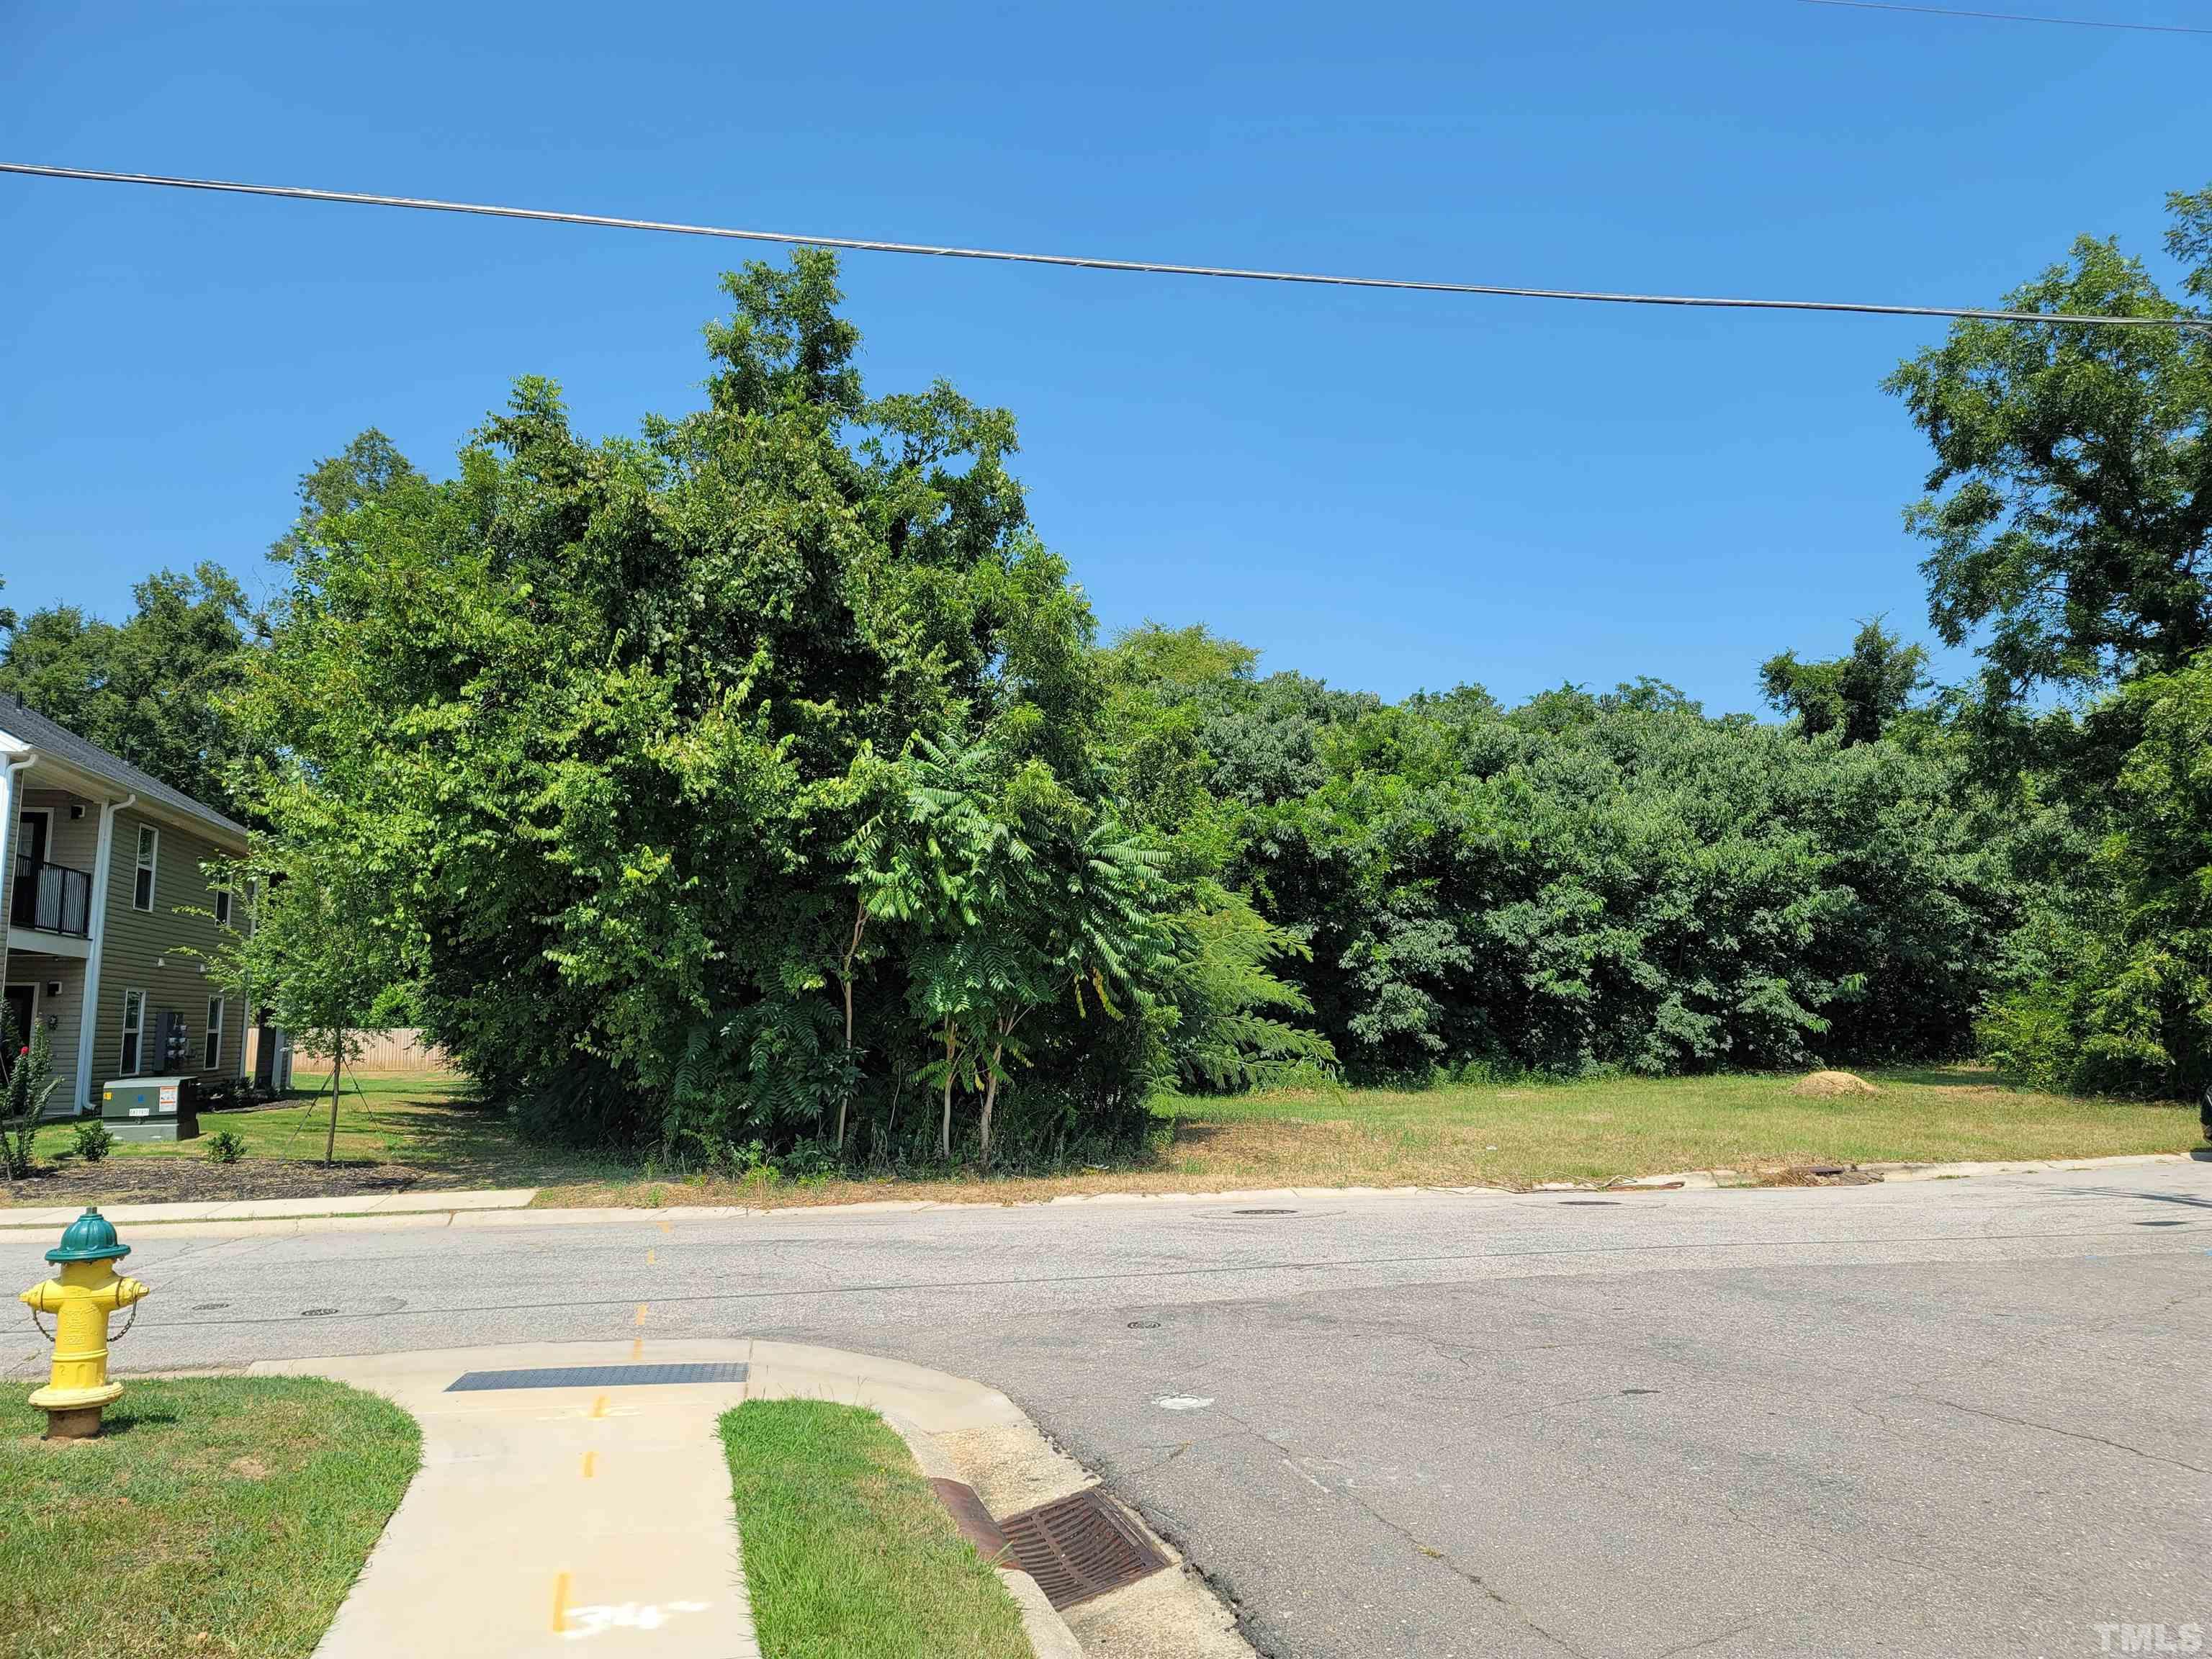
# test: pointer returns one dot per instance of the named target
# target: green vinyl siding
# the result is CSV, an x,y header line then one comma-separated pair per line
x,y
148,951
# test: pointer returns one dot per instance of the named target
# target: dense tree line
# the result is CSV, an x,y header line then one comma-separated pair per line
x,y
151,687
759,781
1589,882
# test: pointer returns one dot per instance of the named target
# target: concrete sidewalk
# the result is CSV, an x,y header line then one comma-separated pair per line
x,y
277,1209
544,1516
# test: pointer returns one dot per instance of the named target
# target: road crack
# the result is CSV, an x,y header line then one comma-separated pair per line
x,y
2070,1434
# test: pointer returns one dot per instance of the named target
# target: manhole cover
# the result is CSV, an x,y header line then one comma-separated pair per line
x,y
1144,1324
1264,1212
1081,1546
1612,1202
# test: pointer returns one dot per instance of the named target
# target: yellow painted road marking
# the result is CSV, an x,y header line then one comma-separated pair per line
x,y
560,1603
641,1313
649,1258
591,1464
599,1406
637,1347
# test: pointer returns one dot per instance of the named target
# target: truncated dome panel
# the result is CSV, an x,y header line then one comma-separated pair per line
x,y
1079,1546
596,1377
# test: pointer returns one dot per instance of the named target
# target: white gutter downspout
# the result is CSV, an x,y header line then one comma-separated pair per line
x,y
17,765
87,1019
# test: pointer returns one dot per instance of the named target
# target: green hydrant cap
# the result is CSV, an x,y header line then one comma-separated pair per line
x,y
90,1238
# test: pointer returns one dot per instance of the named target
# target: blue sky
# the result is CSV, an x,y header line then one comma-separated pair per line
x,y
1392,492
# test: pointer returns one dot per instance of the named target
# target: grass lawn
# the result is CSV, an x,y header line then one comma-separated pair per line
x,y
429,1122
1506,1135
215,1515
1517,1136
848,1554
395,1133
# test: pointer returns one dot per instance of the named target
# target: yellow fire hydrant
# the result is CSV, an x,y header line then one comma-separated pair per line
x,y
87,1291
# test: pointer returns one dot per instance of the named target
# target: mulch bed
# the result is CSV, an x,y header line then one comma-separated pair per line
x,y
192,1180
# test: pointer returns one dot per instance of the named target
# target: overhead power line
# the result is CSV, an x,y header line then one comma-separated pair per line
x,y
1084,262
2012,17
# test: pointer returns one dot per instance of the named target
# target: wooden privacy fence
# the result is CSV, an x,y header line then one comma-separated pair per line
x,y
382,1053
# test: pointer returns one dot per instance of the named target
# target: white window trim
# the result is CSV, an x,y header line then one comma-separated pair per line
x,y
211,1040
222,904
149,863
136,1068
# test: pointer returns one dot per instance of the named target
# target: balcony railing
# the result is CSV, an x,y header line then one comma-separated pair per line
x,y
51,898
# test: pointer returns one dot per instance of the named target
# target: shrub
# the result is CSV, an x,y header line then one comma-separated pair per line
x,y
225,1147
93,1141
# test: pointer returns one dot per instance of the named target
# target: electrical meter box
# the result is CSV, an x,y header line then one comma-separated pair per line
x,y
150,1108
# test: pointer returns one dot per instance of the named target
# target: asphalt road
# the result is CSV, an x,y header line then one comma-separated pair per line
x,y
1969,1417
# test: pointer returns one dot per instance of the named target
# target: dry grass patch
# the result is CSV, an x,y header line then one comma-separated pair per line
x,y
1595,1131
1832,1086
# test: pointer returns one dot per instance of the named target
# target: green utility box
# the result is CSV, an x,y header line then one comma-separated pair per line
x,y
151,1109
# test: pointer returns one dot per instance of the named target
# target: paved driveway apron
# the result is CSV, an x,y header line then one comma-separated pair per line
x,y
1970,1417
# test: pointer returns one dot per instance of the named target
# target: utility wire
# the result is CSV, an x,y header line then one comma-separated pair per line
x,y
2011,17
545,215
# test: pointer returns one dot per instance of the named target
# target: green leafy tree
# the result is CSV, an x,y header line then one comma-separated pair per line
x,y
612,720
2071,536
2066,513
150,688
1859,696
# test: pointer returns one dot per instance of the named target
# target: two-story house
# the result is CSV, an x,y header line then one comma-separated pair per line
x,y
102,885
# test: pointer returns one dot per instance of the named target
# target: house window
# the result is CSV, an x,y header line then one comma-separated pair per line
x,y
150,847
213,1056
134,1023
223,906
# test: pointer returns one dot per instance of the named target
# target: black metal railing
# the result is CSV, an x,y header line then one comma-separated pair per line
x,y
51,898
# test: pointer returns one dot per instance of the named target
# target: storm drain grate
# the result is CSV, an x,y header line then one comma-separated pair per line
x,y
596,1377
1079,1546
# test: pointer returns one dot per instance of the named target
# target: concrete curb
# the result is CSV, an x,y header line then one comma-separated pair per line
x,y
506,1207
1727,1180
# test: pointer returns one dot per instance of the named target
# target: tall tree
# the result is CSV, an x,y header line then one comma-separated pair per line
x,y
2068,513
1859,696
150,688
613,715
2069,516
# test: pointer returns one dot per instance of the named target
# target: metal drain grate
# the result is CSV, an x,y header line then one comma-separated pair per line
x,y
1263,1212
1079,1546
596,1377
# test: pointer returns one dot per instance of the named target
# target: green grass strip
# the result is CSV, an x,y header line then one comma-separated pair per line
x,y
847,1553
215,1515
